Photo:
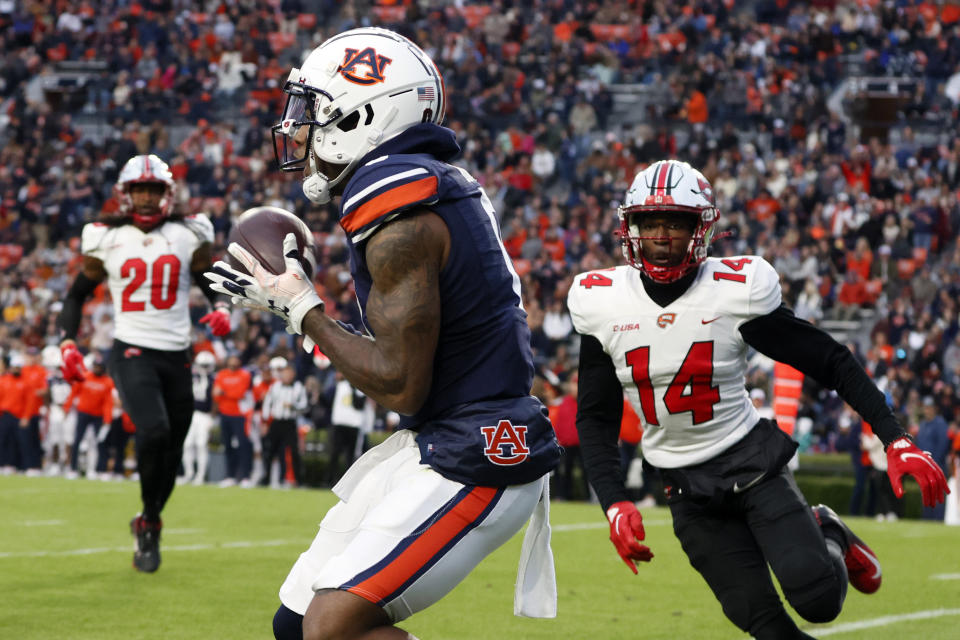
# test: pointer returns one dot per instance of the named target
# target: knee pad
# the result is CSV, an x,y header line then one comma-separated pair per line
x,y
811,584
287,624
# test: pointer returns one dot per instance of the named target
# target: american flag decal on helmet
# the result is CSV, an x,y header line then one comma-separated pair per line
x,y
426,94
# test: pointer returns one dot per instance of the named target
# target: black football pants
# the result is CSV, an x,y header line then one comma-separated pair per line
x,y
156,389
732,543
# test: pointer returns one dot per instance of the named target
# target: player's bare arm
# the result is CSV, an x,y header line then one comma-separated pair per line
x,y
403,309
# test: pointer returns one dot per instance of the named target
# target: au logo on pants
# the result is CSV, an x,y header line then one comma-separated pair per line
x,y
506,443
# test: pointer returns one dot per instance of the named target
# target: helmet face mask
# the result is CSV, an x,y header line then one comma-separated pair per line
x,y
668,190
355,91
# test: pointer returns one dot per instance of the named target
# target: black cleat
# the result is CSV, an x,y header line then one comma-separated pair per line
x,y
146,558
863,568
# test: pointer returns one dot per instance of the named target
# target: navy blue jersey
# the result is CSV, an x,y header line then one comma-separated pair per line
x,y
479,424
202,391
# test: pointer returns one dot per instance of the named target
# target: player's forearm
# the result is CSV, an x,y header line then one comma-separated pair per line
x,y
788,339
215,299
72,312
363,362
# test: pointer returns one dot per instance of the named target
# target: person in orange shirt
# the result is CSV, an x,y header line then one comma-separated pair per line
x,y
93,397
35,386
12,404
229,387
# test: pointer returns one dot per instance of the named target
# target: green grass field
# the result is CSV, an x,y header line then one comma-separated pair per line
x,y
65,573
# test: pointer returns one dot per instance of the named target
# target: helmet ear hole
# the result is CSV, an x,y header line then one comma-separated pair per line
x,y
350,122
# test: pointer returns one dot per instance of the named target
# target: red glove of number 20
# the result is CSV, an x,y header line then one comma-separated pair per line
x,y
903,457
626,528
218,319
72,369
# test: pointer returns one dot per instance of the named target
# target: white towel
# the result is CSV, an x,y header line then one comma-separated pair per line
x,y
351,478
535,595
952,511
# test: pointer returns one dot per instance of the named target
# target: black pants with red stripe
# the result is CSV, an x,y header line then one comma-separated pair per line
x,y
156,389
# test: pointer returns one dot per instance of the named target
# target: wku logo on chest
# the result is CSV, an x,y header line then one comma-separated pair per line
x,y
363,67
506,443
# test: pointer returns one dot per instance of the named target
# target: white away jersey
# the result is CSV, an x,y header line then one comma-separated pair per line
x,y
682,366
149,278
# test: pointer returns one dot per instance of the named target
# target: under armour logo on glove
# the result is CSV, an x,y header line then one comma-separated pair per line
x,y
288,295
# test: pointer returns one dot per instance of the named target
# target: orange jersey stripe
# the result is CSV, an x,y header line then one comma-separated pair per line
x,y
389,201
412,559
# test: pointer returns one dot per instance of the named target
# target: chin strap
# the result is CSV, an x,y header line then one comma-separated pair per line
x,y
316,186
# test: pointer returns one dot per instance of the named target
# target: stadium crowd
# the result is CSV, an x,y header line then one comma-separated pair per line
x,y
862,229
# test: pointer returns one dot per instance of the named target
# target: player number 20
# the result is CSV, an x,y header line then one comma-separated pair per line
x,y
164,281
695,374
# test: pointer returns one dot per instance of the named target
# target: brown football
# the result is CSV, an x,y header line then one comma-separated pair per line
x,y
261,231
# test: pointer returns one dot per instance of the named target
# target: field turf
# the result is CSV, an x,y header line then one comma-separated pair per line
x,y
65,572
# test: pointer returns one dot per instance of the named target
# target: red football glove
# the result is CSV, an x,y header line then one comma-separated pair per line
x,y
219,321
72,368
904,457
626,527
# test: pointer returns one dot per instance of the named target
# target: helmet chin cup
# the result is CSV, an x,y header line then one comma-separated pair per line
x,y
317,188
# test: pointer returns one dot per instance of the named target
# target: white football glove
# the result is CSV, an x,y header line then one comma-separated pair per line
x,y
289,295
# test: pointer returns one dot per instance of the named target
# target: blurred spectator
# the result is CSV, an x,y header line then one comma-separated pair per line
x,y
932,437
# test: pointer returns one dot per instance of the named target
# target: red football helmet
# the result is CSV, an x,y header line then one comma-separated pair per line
x,y
145,169
668,186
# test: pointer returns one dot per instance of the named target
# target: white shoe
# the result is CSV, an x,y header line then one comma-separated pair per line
x,y
71,475
33,473
247,483
228,482
183,480
647,503
197,482
53,469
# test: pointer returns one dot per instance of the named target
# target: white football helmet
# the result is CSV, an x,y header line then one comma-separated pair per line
x,y
353,92
205,362
145,169
50,357
668,186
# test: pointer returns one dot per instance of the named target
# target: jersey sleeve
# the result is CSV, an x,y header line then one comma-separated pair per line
x,y
765,294
384,188
91,240
575,304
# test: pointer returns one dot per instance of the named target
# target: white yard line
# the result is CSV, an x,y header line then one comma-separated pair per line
x,y
884,621
945,576
239,544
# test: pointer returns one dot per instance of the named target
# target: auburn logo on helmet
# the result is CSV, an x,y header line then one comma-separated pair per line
x,y
506,443
369,58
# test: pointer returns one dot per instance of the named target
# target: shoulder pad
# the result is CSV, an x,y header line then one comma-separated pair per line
x,y
201,226
91,238
591,293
